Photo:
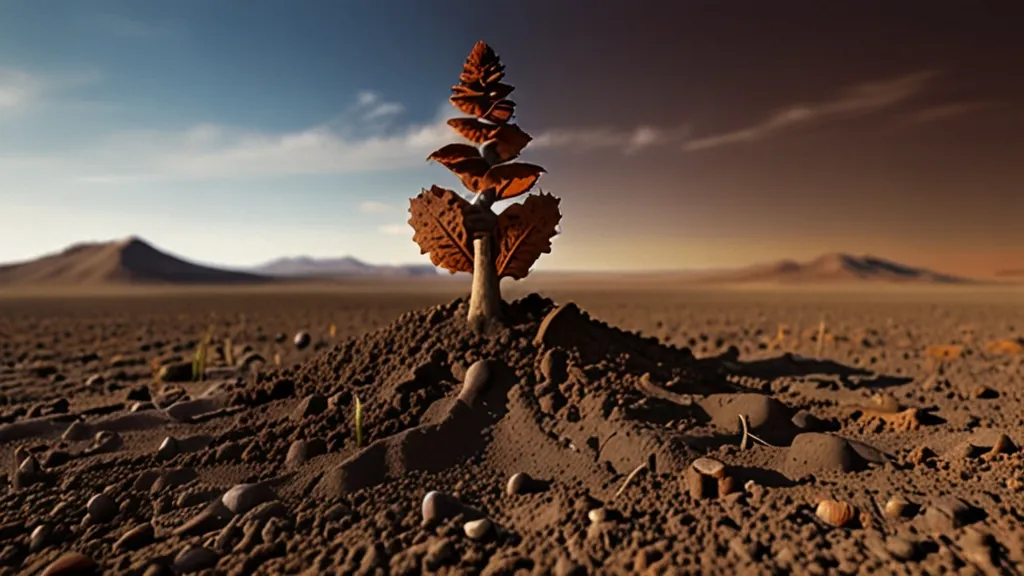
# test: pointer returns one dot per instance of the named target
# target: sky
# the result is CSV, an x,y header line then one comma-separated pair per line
x,y
679,135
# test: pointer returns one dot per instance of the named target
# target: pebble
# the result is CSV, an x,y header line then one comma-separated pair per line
x,y
172,478
311,405
71,564
78,431
1003,445
102,508
168,448
439,506
554,366
518,484
244,497
301,340
135,538
478,529
949,513
836,513
901,548
899,507
302,450
709,467
29,465
195,559
597,515
476,379
40,537
807,422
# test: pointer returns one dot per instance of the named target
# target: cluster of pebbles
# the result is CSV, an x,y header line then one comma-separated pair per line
x,y
556,444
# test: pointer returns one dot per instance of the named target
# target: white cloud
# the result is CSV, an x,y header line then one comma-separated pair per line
x,y
950,110
375,207
626,141
21,90
395,229
858,99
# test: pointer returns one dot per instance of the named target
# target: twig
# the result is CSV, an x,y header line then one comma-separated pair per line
x,y
655,391
629,479
747,435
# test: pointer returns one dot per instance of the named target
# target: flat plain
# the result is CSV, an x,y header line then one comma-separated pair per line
x,y
882,431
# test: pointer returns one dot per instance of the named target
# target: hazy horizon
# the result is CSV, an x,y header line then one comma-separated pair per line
x,y
678,136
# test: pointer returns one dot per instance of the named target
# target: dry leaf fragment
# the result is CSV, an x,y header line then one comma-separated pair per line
x,y
438,218
509,141
452,154
512,179
499,112
472,173
477,106
524,232
472,129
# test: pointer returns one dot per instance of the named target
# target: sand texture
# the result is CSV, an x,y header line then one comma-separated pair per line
x,y
612,432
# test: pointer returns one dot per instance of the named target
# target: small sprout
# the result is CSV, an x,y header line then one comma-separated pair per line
x,y
229,352
359,422
199,361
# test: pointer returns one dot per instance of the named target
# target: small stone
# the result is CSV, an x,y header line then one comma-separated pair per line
x,y
886,403
807,422
214,517
836,513
949,513
518,484
726,486
301,340
1003,445
71,564
311,405
244,497
29,465
195,559
984,393
695,483
554,366
899,507
56,459
475,382
172,478
40,537
102,508
77,431
135,538
920,455
175,372
478,529
438,506
597,515
901,548
302,450
168,448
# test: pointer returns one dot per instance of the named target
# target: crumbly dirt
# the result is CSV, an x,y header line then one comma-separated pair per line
x,y
564,442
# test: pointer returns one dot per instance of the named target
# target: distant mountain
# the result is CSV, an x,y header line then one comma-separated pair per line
x,y
306,267
128,261
834,267
1010,273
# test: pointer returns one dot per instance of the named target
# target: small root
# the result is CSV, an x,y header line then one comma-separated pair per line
x,y
629,479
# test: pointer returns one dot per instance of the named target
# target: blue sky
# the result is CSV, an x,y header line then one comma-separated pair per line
x,y
234,131
677,134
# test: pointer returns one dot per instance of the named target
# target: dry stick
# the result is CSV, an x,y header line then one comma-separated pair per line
x,y
629,479
747,435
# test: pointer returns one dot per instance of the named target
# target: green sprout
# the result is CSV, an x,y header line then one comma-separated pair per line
x,y
359,422
199,361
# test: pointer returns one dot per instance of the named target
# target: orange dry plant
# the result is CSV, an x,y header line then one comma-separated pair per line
x,y
463,236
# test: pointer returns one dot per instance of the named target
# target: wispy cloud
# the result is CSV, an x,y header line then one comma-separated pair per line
x,y
395,229
627,141
859,99
20,89
375,207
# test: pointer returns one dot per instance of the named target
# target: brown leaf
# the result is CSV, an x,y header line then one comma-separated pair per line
x,y
482,63
511,139
472,129
473,105
512,179
524,232
438,218
472,172
453,153
498,91
499,112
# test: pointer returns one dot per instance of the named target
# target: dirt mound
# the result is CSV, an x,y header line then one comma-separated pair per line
x,y
129,261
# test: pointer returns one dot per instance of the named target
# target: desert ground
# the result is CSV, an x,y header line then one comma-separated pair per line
x,y
600,437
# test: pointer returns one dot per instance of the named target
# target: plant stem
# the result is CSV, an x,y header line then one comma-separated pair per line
x,y
485,298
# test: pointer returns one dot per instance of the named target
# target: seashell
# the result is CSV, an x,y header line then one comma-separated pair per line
x,y
835,512
709,467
